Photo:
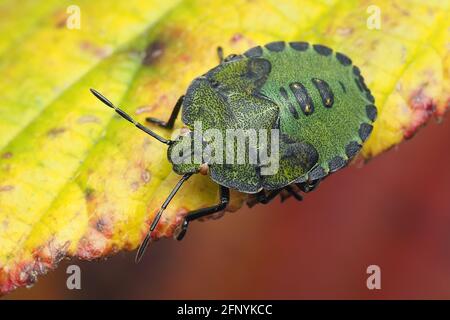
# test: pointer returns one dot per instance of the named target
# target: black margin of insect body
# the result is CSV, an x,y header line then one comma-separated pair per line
x,y
336,163
317,173
343,59
352,149
364,131
322,50
299,45
371,112
362,85
326,94
276,46
291,107
358,84
254,52
303,98
370,97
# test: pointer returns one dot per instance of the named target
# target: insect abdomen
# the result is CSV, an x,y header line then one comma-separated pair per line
x,y
322,98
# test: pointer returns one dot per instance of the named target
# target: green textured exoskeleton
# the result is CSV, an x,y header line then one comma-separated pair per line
x,y
302,110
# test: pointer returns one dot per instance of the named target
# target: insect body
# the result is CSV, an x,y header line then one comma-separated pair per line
x,y
315,99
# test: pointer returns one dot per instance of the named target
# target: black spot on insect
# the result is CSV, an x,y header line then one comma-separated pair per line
x,y
371,112
258,70
358,84
153,53
343,59
352,149
336,163
275,46
254,52
364,131
292,110
326,94
299,46
323,50
356,71
302,97
317,173
291,107
344,90
259,67
300,154
284,93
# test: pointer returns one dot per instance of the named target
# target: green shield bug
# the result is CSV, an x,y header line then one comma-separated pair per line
x,y
314,99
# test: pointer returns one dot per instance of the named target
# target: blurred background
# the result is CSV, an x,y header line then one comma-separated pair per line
x,y
393,212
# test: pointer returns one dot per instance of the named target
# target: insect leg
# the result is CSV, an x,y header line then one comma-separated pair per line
x,y
173,116
294,193
308,186
220,54
264,198
155,221
196,214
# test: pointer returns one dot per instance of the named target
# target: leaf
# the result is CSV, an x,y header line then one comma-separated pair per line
x,y
78,181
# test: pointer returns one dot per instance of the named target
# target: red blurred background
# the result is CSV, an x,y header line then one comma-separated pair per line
x,y
393,212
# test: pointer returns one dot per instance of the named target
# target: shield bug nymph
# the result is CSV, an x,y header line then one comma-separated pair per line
x,y
314,97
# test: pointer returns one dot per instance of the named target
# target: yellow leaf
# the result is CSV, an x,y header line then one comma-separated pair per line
x,y
78,181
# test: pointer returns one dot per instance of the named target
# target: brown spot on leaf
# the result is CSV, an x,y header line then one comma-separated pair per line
x,y
7,155
100,225
96,51
88,119
104,225
422,107
153,52
143,109
344,31
146,176
185,58
53,133
89,194
92,245
134,186
236,38
6,188
60,18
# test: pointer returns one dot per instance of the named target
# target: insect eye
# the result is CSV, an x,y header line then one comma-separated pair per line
x,y
230,57
214,83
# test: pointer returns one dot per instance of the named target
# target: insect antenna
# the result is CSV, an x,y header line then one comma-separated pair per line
x,y
155,221
126,116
